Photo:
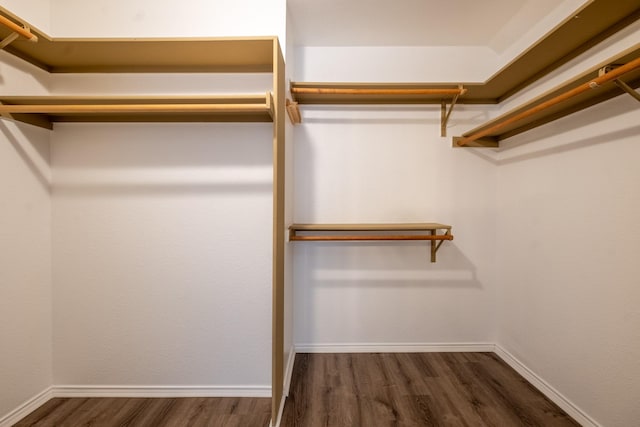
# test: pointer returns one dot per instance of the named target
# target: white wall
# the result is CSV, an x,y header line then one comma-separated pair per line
x,y
386,164
25,253
162,254
395,64
567,245
34,12
151,18
162,243
568,204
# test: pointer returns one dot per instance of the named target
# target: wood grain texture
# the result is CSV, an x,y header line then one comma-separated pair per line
x,y
279,212
155,412
420,226
333,238
414,389
343,390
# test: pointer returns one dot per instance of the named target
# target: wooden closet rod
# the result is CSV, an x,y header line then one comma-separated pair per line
x,y
133,108
377,237
592,84
371,91
18,29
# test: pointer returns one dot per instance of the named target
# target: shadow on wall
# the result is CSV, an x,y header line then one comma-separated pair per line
x,y
428,114
386,264
162,159
106,189
40,77
549,132
31,154
379,292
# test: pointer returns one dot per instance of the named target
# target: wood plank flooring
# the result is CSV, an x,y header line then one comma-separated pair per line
x,y
156,412
414,389
343,390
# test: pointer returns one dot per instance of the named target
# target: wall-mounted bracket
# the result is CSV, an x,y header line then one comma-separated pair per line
x,y
622,85
435,244
17,31
293,111
8,40
5,115
444,113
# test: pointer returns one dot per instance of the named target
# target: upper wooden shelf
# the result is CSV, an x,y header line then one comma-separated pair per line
x,y
45,110
372,93
595,85
144,55
373,232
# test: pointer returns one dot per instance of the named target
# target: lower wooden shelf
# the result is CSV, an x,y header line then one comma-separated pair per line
x,y
45,110
373,232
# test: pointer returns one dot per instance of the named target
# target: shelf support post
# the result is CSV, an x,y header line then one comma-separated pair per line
x,y
5,115
444,113
435,243
17,31
622,85
434,247
294,112
8,40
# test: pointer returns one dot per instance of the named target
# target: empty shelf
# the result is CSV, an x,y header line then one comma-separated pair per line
x,y
45,110
373,232
596,85
141,55
372,93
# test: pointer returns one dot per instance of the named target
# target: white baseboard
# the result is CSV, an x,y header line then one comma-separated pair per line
x,y
394,347
160,391
26,408
554,395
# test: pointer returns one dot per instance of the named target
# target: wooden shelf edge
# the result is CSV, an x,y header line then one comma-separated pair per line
x,y
381,232
142,55
479,143
412,226
373,93
44,110
540,114
381,237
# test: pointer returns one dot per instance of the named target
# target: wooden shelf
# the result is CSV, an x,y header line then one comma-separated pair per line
x,y
45,110
372,93
579,93
157,55
375,93
373,232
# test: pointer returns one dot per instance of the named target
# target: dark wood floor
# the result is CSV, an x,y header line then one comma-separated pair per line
x,y
344,390
414,389
157,412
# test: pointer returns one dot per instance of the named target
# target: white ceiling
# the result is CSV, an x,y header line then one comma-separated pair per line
x,y
491,23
